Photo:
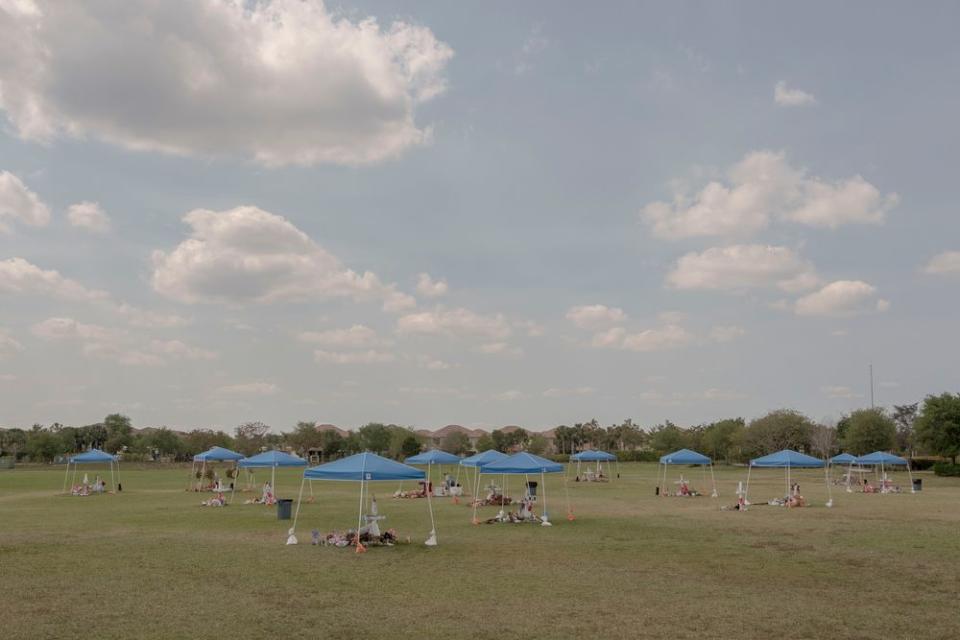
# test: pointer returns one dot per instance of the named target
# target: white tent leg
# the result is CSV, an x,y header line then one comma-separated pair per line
x,y
193,465
66,475
112,480
360,514
476,494
546,516
713,480
432,538
273,481
292,536
746,491
829,488
910,475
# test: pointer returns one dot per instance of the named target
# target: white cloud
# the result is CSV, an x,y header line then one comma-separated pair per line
x,y
89,216
726,334
20,277
532,329
180,350
670,336
281,82
454,323
117,345
555,392
356,337
610,338
370,356
595,316
841,298
17,202
8,345
535,44
249,389
786,97
512,394
761,186
499,349
430,288
433,364
946,263
248,255
742,267
839,392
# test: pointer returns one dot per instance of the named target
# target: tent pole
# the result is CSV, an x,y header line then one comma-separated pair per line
x,y
360,514
746,491
193,463
566,491
66,475
112,481
433,523
910,475
829,489
296,514
713,479
476,497
273,481
543,481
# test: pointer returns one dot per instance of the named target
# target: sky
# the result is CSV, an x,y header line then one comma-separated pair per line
x,y
484,214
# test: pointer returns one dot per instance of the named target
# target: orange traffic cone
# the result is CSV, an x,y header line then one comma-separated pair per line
x,y
456,500
570,516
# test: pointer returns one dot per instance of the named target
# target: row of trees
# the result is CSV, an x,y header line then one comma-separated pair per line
x,y
931,427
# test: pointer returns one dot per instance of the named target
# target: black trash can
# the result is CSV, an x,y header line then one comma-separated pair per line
x,y
284,509
917,484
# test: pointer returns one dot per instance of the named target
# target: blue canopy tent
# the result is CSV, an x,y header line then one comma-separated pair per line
x,y
689,458
525,464
786,459
363,468
211,455
594,456
93,456
844,459
271,460
478,460
880,460
435,457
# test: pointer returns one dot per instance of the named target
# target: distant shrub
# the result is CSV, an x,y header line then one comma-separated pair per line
x,y
637,456
922,464
947,469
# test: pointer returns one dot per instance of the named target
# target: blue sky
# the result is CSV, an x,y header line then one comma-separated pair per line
x,y
685,211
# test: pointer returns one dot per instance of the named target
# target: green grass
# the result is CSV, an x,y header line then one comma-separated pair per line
x,y
151,563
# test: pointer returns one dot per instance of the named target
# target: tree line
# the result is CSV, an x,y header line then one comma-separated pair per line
x,y
930,427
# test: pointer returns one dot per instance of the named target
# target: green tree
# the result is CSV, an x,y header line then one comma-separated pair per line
x,y
13,441
456,443
375,437
43,445
165,441
869,430
410,446
117,424
720,439
538,444
905,415
331,443
485,443
305,437
780,429
250,437
668,437
200,440
938,426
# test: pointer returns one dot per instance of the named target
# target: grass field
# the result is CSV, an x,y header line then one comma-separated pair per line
x,y
151,563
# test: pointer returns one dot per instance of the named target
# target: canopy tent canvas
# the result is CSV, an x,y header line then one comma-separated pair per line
x,y
880,460
525,464
270,460
599,457
210,456
685,457
364,468
476,461
847,459
439,458
786,459
93,456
